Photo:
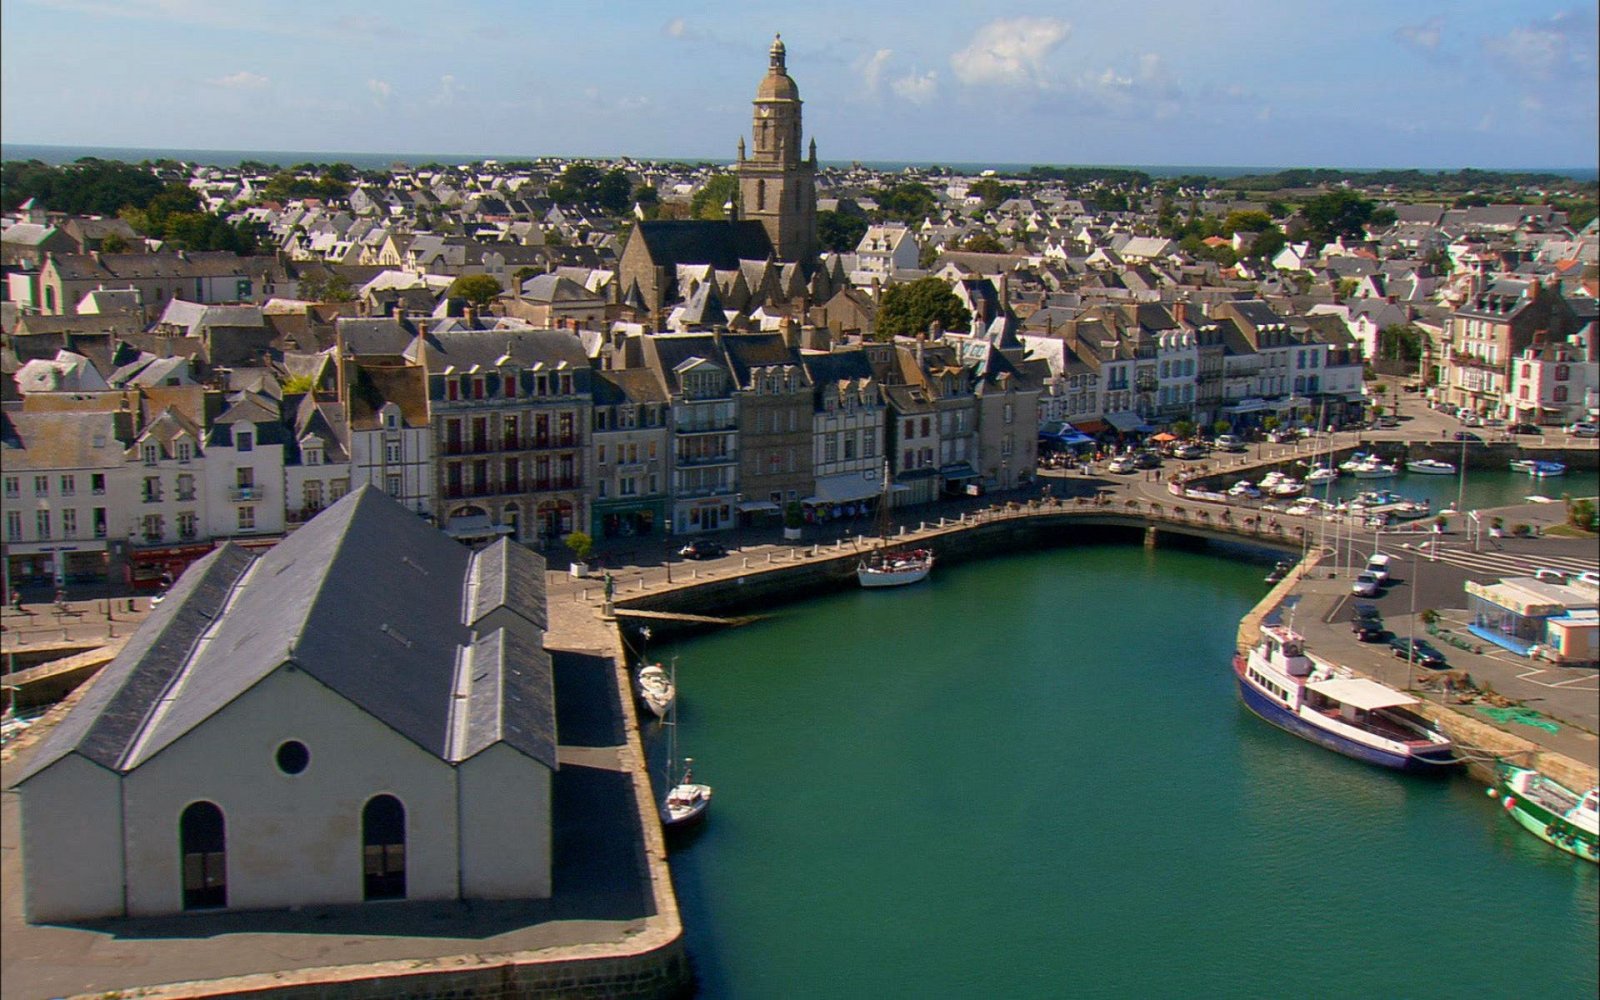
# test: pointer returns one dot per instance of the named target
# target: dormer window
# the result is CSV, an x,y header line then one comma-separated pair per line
x,y
391,421
151,454
185,452
244,440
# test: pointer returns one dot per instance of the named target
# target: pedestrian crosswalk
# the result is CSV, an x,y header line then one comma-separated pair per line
x,y
1511,563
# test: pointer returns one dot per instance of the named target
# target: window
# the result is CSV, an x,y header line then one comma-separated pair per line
x,y
392,485
152,489
13,525
185,452
69,523
151,454
97,484
391,452
247,518
244,440
188,524
313,495
41,486
203,846
13,487
292,757
383,848
69,486
185,487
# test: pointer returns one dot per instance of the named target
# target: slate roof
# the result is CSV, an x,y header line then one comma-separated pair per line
x,y
721,244
69,440
352,599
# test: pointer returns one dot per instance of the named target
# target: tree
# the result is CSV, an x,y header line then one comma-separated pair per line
x,y
718,191
1183,428
1337,213
1221,427
478,289
1401,343
993,192
914,307
1246,222
1268,242
839,231
1270,424
908,202
113,243
333,288
983,243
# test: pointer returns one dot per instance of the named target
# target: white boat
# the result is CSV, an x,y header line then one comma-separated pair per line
x,y
1244,488
687,800
1430,467
886,567
1522,465
1373,468
1288,488
656,689
1354,462
1330,706
1321,474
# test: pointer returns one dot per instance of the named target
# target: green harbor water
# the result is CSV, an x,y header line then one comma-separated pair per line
x,y
1031,777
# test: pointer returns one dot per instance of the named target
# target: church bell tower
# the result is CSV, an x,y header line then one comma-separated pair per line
x,y
777,187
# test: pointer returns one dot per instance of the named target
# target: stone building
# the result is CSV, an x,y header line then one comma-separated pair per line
x,y
340,735
777,186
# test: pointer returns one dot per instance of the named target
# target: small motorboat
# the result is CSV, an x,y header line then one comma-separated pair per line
x,y
656,689
1288,488
1244,488
1522,464
1279,571
1321,474
1548,470
1550,811
1430,467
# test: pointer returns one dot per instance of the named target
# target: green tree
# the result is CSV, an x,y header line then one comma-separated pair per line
x,y
840,231
1337,213
1401,343
113,243
333,287
88,187
1221,427
1268,242
718,191
614,193
1246,222
993,192
907,202
478,289
983,243
915,306
1183,428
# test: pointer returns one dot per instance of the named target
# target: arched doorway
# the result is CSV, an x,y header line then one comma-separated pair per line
x,y
383,848
202,838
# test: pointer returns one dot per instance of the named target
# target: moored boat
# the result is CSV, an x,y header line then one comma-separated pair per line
x,y
1374,468
1244,488
687,800
1321,474
1547,470
886,567
1550,811
656,689
1333,708
1430,467
1522,464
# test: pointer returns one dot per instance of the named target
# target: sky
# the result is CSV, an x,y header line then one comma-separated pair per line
x,y
1363,83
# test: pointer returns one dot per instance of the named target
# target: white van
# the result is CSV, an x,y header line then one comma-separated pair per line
x,y
1378,566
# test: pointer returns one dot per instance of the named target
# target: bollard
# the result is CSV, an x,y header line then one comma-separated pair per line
x,y
746,562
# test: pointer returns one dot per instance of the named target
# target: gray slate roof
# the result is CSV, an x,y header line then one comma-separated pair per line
x,y
362,599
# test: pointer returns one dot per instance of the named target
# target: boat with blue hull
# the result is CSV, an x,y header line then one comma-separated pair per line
x,y
1328,705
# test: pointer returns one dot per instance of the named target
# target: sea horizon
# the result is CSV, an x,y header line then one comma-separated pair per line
x,y
61,154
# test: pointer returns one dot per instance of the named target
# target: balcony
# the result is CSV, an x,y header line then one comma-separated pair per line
x,y
246,494
696,461
1463,359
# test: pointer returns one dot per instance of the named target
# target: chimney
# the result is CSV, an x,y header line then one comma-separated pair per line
x,y
791,333
469,314
1180,311
877,291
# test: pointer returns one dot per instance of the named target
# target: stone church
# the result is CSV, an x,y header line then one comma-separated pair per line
x,y
769,241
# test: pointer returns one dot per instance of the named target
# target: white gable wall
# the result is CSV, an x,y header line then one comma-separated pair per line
x,y
505,826
291,839
72,842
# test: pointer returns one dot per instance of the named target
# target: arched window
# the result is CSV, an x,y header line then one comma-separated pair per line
x,y
761,195
383,848
202,838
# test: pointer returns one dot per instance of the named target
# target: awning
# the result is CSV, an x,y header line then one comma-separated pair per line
x,y
846,487
959,470
1126,421
475,526
1093,426
748,506
1246,406
1358,692
1164,437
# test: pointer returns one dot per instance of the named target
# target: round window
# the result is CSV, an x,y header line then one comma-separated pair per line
x,y
293,757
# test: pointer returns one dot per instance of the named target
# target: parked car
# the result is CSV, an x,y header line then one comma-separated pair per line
x,y
1417,651
1188,452
703,548
1524,429
1147,460
1121,465
1231,442
1472,420
1588,578
1584,430
1367,623
1550,575
1366,585
1468,437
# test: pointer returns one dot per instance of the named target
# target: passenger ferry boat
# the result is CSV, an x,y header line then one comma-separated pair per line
x,y
1330,706
1550,811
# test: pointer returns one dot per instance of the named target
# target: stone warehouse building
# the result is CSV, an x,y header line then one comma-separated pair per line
x,y
310,725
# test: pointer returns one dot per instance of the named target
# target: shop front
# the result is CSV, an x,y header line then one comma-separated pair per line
x,y
628,518
152,567
56,563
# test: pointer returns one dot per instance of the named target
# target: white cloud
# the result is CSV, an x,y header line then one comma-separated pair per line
x,y
448,89
872,69
381,91
242,80
1546,49
917,88
677,27
1423,37
1010,52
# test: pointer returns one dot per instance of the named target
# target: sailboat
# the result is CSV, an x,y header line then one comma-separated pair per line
x,y
656,687
687,800
888,567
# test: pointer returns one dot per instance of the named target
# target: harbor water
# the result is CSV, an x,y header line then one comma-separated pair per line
x,y
1031,776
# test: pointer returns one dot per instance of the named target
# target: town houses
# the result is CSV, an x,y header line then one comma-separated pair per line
x,y
509,352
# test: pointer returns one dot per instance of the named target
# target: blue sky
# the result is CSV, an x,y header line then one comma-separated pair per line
x,y
1204,82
